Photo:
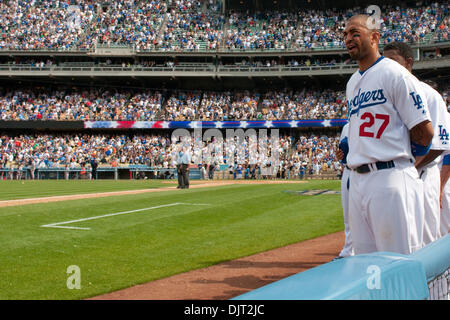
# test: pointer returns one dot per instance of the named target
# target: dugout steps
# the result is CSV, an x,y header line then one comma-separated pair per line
x,y
376,276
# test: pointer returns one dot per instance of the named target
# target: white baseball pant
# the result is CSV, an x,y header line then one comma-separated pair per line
x,y
431,186
445,211
386,210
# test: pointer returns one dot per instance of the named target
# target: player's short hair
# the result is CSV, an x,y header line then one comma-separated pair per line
x,y
402,48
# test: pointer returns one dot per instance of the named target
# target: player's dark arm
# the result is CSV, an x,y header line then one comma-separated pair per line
x,y
422,133
429,157
339,154
445,174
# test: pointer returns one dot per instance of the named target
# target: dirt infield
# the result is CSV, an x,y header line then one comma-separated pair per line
x,y
225,280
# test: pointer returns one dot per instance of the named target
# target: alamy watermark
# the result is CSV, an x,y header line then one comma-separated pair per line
x,y
239,146
74,279
374,21
73,20
374,280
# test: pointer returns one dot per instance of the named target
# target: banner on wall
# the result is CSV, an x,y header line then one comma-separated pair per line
x,y
255,124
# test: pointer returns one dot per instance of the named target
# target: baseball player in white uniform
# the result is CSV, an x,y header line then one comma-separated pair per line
x,y
386,114
445,195
427,165
347,250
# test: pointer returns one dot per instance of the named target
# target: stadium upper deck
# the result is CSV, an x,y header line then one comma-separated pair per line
x,y
199,26
246,66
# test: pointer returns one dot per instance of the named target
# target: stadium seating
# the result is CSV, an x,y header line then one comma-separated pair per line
x,y
196,26
49,151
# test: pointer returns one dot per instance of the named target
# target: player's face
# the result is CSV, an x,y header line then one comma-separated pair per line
x,y
357,39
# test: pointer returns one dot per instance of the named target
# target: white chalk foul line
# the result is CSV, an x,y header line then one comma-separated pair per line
x,y
60,224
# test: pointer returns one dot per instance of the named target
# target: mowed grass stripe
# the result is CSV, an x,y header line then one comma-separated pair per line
x,y
125,250
17,189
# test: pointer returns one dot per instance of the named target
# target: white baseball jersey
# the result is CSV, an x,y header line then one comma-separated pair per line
x,y
445,210
441,160
384,102
439,118
430,174
344,132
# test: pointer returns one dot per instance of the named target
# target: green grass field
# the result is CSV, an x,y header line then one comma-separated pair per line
x,y
22,189
121,241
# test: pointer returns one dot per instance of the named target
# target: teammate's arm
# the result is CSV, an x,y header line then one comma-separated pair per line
x,y
445,174
422,161
421,136
406,93
441,123
422,133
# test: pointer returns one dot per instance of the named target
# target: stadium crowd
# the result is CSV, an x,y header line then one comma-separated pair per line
x,y
261,31
305,104
127,22
442,33
111,104
189,31
197,25
93,104
182,106
307,154
35,25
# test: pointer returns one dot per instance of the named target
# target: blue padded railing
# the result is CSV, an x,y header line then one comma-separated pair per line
x,y
376,276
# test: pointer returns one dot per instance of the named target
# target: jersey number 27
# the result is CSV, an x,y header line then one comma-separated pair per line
x,y
365,128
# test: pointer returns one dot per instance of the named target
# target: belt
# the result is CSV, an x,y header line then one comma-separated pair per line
x,y
379,165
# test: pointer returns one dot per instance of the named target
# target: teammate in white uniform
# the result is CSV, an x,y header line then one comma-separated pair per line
x,y
386,113
427,165
347,250
445,195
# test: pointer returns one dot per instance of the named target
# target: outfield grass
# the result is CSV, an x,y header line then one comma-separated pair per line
x,y
128,249
22,189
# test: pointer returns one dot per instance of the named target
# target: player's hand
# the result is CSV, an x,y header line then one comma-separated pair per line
x,y
339,154
418,161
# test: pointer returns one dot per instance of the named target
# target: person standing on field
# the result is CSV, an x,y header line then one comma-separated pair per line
x,y
179,163
185,161
445,195
94,166
427,165
387,113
